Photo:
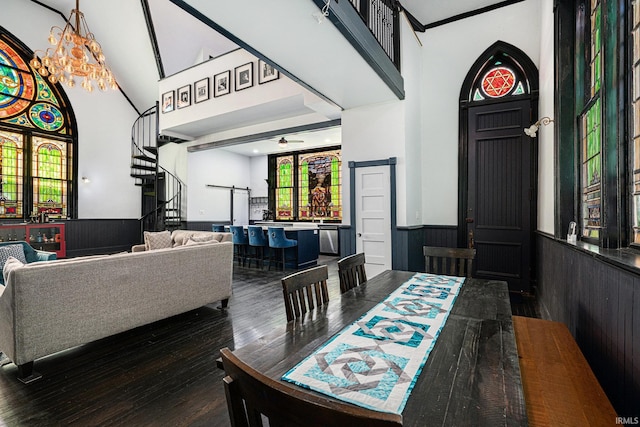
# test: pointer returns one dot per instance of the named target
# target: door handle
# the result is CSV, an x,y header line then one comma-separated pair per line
x,y
359,234
469,220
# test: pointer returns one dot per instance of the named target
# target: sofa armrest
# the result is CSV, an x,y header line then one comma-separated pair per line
x,y
138,248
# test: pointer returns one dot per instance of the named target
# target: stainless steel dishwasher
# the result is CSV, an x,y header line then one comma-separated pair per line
x,y
329,239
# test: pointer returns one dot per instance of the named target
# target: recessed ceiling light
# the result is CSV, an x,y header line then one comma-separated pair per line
x,y
327,140
255,150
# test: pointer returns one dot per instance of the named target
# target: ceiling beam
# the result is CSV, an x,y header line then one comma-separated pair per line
x,y
471,13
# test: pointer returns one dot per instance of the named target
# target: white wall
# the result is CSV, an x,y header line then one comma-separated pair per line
x,y
390,129
546,176
259,173
374,132
104,126
412,72
217,167
448,54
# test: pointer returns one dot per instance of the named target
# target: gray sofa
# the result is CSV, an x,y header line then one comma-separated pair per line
x,y
47,307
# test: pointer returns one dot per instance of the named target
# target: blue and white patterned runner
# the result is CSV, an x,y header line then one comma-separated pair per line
x,y
375,361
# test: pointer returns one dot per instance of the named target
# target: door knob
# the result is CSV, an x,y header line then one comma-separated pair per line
x,y
359,234
469,220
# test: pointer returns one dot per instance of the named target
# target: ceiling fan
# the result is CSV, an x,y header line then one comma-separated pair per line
x,y
282,142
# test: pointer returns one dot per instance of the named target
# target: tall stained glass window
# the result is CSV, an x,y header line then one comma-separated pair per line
x,y
11,161
31,108
591,171
319,186
308,186
284,188
49,177
635,119
591,134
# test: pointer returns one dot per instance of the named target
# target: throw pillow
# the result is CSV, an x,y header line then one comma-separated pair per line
x,y
157,240
16,251
195,241
10,265
203,238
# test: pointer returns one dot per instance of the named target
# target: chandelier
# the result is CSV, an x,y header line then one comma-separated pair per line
x,y
74,53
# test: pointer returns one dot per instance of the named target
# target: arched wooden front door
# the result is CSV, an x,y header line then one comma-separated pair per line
x,y
498,179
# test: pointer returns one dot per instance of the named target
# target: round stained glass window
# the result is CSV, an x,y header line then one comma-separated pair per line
x,y
46,116
498,82
16,88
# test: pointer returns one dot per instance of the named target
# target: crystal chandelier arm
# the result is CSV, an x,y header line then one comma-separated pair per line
x,y
69,60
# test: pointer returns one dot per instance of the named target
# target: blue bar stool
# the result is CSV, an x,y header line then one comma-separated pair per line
x,y
279,240
258,241
240,243
217,228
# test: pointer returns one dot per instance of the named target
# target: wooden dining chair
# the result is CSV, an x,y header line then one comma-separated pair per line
x,y
251,395
450,261
299,288
351,272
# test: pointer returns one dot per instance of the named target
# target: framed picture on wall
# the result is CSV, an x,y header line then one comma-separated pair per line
x,y
201,90
184,96
266,72
222,83
244,76
168,101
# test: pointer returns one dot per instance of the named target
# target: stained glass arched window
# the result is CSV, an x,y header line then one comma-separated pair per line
x,y
26,99
500,77
319,186
35,127
308,185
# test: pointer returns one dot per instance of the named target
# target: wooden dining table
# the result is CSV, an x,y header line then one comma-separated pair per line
x,y
471,377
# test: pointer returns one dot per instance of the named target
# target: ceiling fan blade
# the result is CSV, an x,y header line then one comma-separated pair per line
x,y
283,141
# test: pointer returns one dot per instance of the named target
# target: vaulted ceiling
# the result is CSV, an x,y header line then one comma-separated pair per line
x,y
308,52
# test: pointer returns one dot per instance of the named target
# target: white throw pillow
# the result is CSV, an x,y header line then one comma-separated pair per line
x,y
10,265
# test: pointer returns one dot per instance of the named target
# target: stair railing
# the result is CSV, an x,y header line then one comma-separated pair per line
x,y
167,211
383,19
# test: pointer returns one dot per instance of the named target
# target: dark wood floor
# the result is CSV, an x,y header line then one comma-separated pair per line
x,y
162,374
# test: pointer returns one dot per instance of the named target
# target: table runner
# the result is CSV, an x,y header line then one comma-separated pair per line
x,y
375,362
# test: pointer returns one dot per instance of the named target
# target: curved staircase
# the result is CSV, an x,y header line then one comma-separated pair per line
x,y
161,190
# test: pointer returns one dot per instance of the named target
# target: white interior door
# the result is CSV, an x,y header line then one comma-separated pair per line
x,y
373,218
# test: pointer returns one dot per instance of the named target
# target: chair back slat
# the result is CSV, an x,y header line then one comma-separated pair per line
x,y
450,261
351,271
251,395
300,288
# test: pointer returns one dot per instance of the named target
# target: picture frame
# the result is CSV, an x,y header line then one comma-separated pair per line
x,y
267,72
201,90
222,83
168,101
243,76
184,96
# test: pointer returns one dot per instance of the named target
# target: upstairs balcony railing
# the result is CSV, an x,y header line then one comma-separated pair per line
x,y
383,19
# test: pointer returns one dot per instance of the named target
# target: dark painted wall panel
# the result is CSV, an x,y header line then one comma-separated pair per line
x,y
599,302
101,236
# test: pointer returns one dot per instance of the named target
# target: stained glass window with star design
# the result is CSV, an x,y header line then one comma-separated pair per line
x,y
500,77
